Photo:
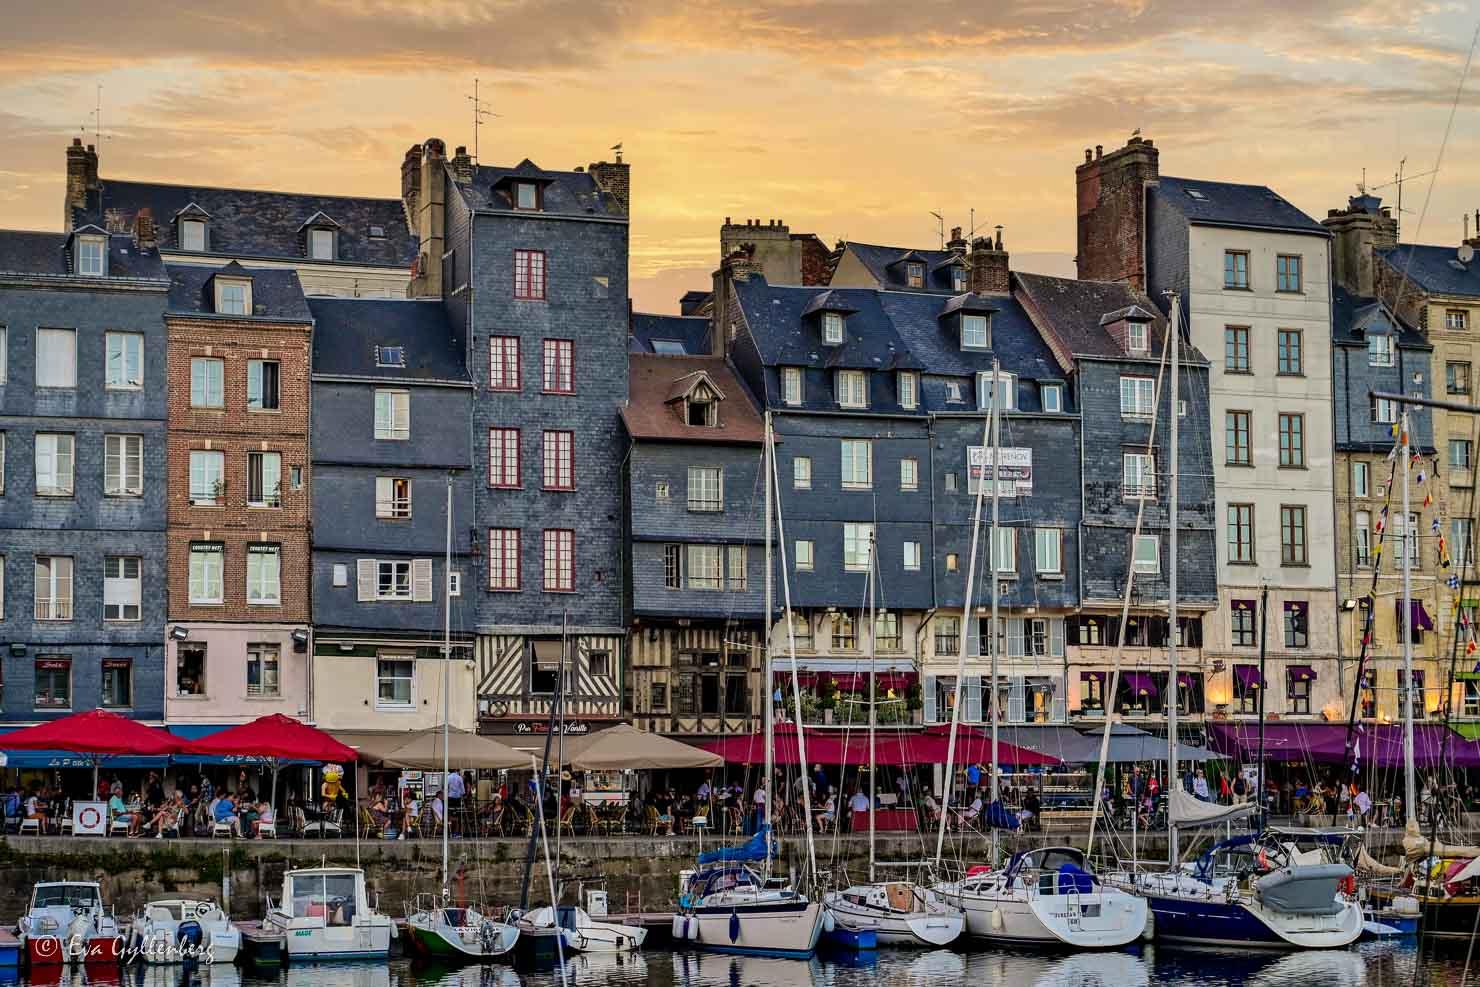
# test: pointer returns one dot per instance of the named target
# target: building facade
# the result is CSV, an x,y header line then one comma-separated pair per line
x,y
82,479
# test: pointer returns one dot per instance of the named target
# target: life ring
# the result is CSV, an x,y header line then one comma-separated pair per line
x,y
88,817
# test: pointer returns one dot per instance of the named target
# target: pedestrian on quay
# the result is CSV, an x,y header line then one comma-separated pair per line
x,y
1200,786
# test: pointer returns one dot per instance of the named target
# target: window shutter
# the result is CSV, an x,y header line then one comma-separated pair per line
x,y
421,580
973,711
930,711
1015,645
1056,637
1017,700
365,577
1057,710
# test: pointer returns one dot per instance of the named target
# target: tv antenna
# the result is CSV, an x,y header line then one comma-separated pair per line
x,y
97,118
480,110
941,232
1399,180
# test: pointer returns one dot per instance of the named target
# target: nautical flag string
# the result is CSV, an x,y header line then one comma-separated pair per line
x,y
1453,583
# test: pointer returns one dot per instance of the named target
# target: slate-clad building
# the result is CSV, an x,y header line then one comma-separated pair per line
x,y
391,407
82,478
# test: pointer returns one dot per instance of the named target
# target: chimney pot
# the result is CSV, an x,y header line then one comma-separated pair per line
x,y
462,149
1088,155
1099,151
727,221
77,142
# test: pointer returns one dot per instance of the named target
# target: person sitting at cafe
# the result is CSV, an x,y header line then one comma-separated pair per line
x,y
379,811
264,817
828,814
932,808
225,813
858,805
35,808
167,816
973,811
117,809
154,791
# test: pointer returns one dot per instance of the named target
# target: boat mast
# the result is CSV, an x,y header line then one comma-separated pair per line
x,y
994,565
768,455
446,686
1410,783
873,713
1174,404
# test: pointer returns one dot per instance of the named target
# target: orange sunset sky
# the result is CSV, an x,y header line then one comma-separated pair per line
x,y
847,119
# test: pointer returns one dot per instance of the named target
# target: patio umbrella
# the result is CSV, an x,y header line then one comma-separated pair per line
x,y
624,746
422,751
97,733
274,739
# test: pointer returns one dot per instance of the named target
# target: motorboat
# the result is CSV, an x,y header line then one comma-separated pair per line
x,y
899,913
1047,897
584,934
446,932
182,930
730,908
66,923
325,914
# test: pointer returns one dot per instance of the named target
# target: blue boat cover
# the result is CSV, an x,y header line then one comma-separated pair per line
x,y
753,850
1073,880
998,817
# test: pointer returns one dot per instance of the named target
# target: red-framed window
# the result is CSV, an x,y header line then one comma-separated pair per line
x,y
503,457
559,363
559,455
529,274
560,560
503,363
503,558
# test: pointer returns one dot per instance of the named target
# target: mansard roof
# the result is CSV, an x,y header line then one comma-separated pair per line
x,y
350,335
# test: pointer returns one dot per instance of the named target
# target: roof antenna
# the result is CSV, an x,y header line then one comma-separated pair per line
x,y
941,222
480,110
97,118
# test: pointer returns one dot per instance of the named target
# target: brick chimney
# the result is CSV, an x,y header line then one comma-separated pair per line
x,y
957,243
431,215
1111,206
460,167
146,233
739,265
989,269
411,184
615,179
1363,225
82,176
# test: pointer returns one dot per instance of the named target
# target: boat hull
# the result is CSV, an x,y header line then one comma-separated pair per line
x,y
1107,919
761,930
1443,918
440,941
1212,921
920,927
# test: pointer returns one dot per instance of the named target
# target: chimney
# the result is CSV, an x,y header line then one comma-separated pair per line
x,y
1111,206
1473,239
461,167
146,234
82,176
411,183
989,270
431,214
1356,230
957,243
615,179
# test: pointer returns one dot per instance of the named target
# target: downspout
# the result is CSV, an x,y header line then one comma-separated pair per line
x,y
308,693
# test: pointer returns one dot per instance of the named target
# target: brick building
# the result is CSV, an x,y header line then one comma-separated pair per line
x,y
239,476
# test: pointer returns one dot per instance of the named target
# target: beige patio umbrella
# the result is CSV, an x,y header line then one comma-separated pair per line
x,y
373,745
465,751
624,746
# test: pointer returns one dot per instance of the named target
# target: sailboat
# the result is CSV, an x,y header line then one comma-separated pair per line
x,y
1249,890
899,913
439,929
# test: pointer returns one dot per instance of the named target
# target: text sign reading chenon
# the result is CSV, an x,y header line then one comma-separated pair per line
x,y
1014,475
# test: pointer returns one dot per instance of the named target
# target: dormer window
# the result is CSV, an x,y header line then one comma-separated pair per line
x,y
1006,391
914,273
1137,338
390,356
909,389
958,278
1051,396
526,195
852,389
703,409
233,297
832,328
975,332
192,235
791,385
321,244
92,256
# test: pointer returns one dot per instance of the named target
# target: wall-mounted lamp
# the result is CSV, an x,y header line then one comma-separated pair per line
x,y
178,633
475,544
1348,605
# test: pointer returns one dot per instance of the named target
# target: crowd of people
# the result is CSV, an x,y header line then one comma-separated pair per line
x,y
146,810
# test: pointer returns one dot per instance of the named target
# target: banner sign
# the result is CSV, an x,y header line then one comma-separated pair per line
x,y
1014,476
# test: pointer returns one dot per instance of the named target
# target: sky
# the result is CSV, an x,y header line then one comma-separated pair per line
x,y
843,118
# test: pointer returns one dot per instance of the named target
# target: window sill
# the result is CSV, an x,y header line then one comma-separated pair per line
x,y
261,604
264,411
393,438
392,599
54,496
562,592
129,495
53,620
573,490
1239,373
1289,291
1293,467
1294,565
122,620
208,407
858,486
126,389
264,507
1299,375
1237,287
212,505
382,517
191,698
1242,562
557,393
503,589
1247,466
398,708
263,699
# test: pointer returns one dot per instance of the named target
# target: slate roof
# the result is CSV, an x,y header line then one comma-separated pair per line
x,y
253,223
878,260
568,193
277,296
1434,269
691,331
1227,204
1074,312
692,300
348,330
31,252
1354,317
648,415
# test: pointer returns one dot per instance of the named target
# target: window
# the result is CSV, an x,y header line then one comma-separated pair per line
x,y
1406,534
1005,551
54,463
321,244
390,356
526,195
947,635
706,490
914,273
1292,535
1361,475
393,681
190,669
262,671
192,234
207,387
801,472
122,589
909,389
1138,475
953,562
958,278
1362,539
791,385
207,477
1287,272
909,473
1236,269
887,635
858,464
1241,533
1462,542
557,449
844,632
1297,624
974,335
1460,454
832,328
912,556
1006,391
658,698
503,363
264,575
4,358
1291,353
1384,411
1380,350
503,558
1147,555
205,572
805,558
1236,350
737,575
92,253
852,389
1414,693
392,497
2,462
340,574
529,275
950,481
392,414
1236,438
56,358
672,567
858,543
1292,440
1048,556
124,370
599,663
503,457
393,580
262,384
560,560
264,479
704,567
1457,378
1052,397
701,408
1297,693
123,465
1137,338
53,587
233,297
117,685
1457,319
1137,397
559,372
53,682
1242,614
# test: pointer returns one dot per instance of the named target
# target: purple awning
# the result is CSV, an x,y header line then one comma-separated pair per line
x,y
1184,680
1379,745
1140,683
1301,673
1248,676
1093,676
1421,619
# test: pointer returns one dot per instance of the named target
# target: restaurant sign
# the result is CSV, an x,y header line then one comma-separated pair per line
x,y
571,728
1014,475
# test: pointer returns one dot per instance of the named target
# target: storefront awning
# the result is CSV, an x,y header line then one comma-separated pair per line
x,y
1301,673
1248,676
1140,683
781,664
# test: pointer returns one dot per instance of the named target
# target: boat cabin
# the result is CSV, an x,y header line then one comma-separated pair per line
x,y
331,894
74,895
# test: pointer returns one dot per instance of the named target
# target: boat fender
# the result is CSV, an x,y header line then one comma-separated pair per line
x,y
1149,932
979,869
1405,905
996,921
828,921
1349,884
734,927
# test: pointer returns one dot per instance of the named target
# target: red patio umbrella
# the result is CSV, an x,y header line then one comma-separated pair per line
x,y
97,732
278,737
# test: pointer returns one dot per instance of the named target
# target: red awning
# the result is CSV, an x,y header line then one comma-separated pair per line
x,y
275,736
94,732
974,744
751,748
891,748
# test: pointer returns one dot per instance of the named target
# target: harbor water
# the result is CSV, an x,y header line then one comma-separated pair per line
x,y
1370,964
